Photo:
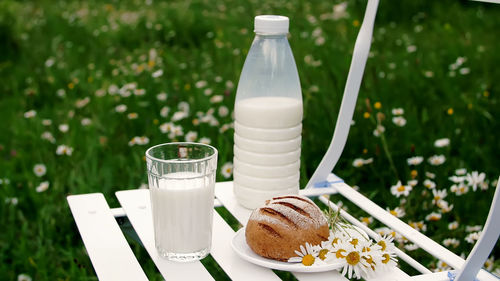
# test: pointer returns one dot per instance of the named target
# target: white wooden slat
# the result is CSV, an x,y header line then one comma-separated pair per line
x,y
106,246
437,276
235,267
224,192
404,229
137,206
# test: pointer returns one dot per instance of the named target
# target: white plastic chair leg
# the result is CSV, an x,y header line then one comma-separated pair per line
x,y
486,242
360,55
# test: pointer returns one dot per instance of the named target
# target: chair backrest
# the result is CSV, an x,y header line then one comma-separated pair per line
x,y
486,242
359,57
491,231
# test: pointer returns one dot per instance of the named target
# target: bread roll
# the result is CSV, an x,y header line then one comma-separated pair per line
x,y
278,228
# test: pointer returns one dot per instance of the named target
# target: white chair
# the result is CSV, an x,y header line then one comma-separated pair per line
x,y
491,231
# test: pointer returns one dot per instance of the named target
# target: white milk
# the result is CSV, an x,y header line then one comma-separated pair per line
x,y
266,159
183,210
267,148
268,134
250,198
261,146
259,183
269,112
261,171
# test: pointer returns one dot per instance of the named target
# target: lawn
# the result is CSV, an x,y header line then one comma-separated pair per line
x,y
86,87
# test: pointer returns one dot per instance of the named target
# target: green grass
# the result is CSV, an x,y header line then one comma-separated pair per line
x,y
85,47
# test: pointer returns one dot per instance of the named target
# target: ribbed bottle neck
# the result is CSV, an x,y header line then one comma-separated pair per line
x,y
270,36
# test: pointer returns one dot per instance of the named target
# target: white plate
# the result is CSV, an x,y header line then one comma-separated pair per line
x,y
240,246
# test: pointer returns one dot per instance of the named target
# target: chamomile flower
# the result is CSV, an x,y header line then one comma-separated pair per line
x,y
121,108
223,111
205,140
419,226
416,160
42,187
132,115
453,225
429,184
358,162
397,111
473,228
307,255
442,266
379,130
86,122
412,183
442,142
399,189
166,127
399,121
437,160
433,216
30,114
444,206
23,277
63,128
473,237
474,179
397,212
488,264
191,136
162,96
64,150
411,247
356,264
389,260
227,170
438,195
451,242
216,99
459,189
179,115
40,170
164,111
366,220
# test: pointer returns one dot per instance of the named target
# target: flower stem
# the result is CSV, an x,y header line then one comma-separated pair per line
x,y
388,154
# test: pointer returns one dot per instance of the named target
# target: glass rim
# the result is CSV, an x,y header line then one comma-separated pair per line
x,y
176,161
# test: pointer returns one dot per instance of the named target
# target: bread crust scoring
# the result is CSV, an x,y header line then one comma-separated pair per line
x,y
278,228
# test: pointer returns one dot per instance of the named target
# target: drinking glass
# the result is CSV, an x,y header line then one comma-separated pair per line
x,y
181,180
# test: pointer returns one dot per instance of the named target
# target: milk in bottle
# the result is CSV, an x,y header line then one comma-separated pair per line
x,y
268,113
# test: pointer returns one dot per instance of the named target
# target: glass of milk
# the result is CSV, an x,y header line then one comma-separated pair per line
x,y
181,183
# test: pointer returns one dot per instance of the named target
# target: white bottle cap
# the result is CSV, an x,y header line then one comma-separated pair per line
x,y
271,24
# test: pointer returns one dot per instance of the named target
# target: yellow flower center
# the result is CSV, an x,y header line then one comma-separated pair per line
x,y
353,258
308,260
401,188
366,249
354,241
370,261
322,254
394,213
339,255
413,174
335,241
382,244
386,259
